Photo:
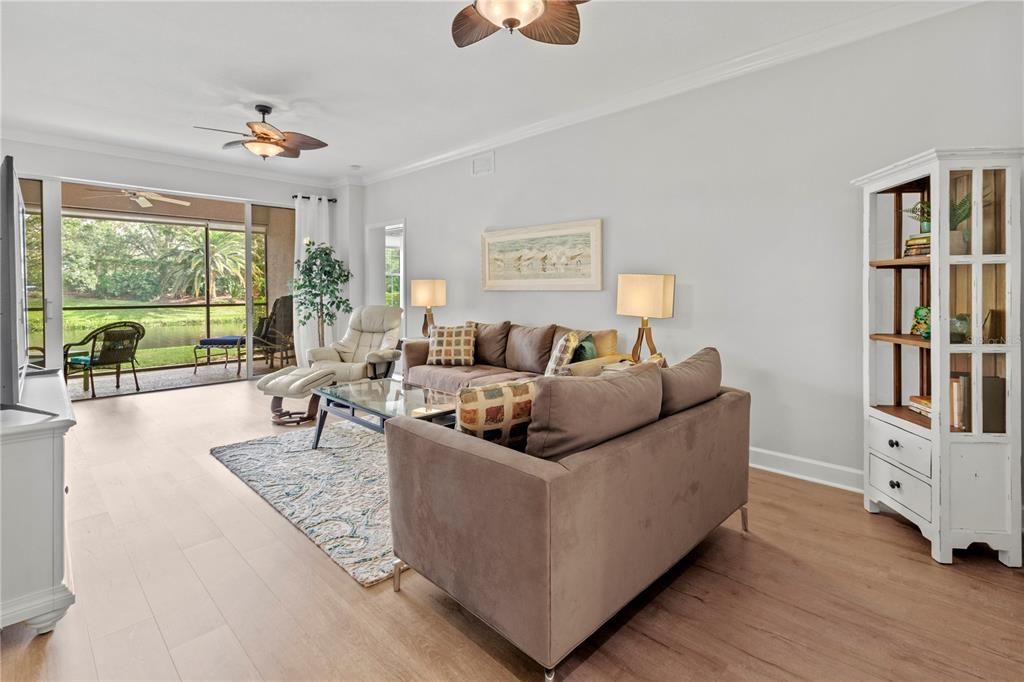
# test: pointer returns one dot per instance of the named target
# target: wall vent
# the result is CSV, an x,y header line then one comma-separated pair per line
x,y
483,164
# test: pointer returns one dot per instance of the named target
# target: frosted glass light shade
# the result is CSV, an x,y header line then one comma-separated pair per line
x,y
646,295
429,293
510,13
263,149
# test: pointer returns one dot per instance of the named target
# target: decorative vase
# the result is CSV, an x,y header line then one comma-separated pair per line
x,y
926,226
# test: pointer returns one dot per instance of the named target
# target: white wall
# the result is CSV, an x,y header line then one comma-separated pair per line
x,y
742,190
189,176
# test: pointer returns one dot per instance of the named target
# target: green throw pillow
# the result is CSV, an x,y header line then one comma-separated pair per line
x,y
587,350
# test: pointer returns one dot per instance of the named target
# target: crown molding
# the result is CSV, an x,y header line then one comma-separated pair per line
x,y
16,134
881,21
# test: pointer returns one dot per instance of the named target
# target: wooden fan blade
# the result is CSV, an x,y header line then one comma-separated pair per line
x,y
300,141
559,25
264,129
288,153
159,197
469,27
221,130
237,143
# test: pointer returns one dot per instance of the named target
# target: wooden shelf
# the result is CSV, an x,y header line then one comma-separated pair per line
x,y
901,263
906,414
902,340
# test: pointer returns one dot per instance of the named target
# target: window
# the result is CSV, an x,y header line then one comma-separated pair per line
x,y
32,191
181,281
393,241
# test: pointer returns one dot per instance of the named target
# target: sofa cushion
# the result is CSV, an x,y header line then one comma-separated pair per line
x,y
491,340
574,413
499,412
562,353
452,346
529,348
691,382
451,379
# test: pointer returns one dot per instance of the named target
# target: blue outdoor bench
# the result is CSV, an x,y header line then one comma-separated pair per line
x,y
225,343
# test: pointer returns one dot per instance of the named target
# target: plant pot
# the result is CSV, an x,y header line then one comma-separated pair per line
x,y
926,226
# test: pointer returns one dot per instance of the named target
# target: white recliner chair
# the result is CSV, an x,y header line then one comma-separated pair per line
x,y
368,350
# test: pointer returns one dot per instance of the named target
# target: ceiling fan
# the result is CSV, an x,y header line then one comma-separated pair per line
x,y
546,21
143,199
265,140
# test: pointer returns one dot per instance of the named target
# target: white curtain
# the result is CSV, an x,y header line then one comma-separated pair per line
x,y
312,224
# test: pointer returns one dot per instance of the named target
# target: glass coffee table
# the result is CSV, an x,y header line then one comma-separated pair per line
x,y
380,400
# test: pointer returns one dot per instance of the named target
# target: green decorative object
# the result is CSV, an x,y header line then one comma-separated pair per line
x,y
960,328
922,213
922,322
318,289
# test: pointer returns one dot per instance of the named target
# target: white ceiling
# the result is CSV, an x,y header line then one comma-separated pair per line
x,y
381,82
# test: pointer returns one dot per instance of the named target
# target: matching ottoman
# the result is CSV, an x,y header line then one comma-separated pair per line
x,y
294,382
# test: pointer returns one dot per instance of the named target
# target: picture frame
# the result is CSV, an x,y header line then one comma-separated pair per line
x,y
556,257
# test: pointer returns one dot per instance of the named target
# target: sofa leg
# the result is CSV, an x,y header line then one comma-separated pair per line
x,y
549,675
743,519
396,576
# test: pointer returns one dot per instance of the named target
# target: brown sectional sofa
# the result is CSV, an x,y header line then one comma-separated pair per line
x,y
546,546
522,352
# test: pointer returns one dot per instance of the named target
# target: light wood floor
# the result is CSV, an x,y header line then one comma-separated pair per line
x,y
182,571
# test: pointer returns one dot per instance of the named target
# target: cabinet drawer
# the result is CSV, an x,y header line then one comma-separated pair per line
x,y
901,487
899,445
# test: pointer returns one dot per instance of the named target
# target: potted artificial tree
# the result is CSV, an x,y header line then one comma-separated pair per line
x,y
318,288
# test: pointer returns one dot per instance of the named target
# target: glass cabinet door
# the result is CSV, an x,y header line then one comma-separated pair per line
x,y
978,301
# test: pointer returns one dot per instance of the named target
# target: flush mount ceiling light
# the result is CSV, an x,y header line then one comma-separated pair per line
x,y
265,140
547,21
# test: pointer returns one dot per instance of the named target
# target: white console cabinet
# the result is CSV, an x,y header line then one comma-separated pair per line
x,y
35,574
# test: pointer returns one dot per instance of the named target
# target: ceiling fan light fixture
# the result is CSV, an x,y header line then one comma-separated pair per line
x,y
264,149
510,14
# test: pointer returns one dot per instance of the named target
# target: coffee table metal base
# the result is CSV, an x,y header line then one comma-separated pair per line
x,y
374,422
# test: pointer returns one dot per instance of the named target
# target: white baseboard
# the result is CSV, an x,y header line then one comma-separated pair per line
x,y
835,475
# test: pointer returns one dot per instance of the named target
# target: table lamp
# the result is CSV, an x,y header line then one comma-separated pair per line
x,y
427,293
645,296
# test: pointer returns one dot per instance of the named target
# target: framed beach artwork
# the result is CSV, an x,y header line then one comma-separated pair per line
x,y
559,257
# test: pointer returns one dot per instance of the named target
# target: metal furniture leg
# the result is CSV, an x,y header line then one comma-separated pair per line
x,y
396,576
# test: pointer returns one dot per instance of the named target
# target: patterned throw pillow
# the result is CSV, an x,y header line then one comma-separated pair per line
x,y
499,413
562,353
452,345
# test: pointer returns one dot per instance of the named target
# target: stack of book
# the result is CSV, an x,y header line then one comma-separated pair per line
x,y
918,245
922,404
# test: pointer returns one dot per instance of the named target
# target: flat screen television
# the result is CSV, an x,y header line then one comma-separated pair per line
x,y
13,288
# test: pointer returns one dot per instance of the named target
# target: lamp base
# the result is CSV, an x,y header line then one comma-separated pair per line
x,y
428,322
643,334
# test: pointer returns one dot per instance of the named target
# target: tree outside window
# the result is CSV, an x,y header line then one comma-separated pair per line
x,y
393,276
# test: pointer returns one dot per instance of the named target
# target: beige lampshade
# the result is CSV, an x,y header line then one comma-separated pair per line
x,y
428,293
646,295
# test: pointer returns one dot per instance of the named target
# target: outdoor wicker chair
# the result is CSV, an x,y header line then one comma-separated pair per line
x,y
274,334
111,345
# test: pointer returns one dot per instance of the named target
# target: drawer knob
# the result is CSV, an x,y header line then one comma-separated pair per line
x,y
893,443
894,484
